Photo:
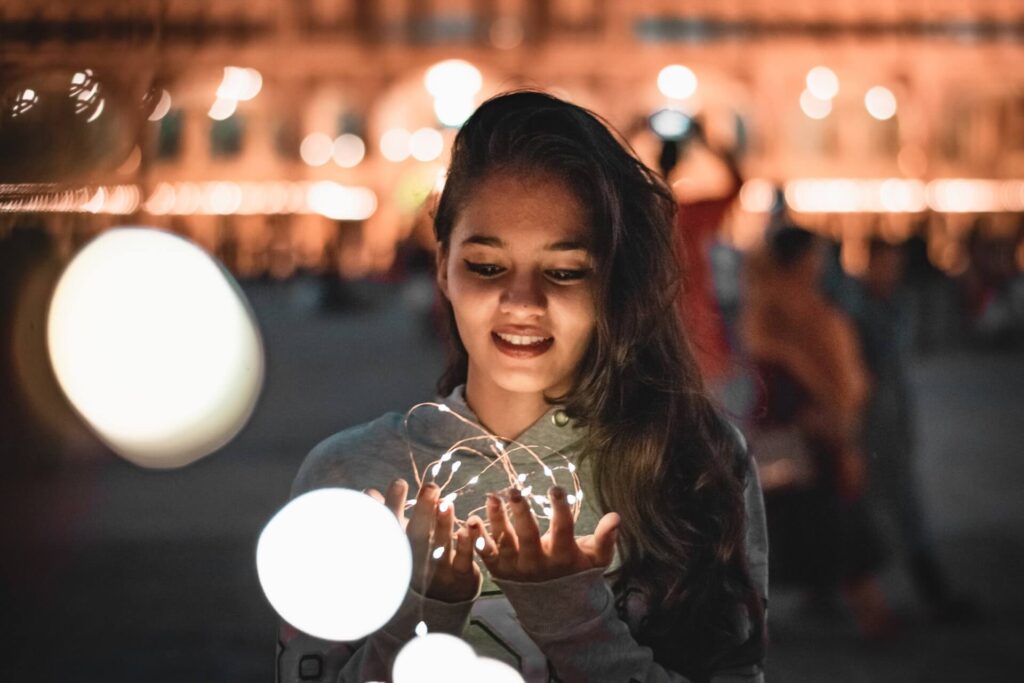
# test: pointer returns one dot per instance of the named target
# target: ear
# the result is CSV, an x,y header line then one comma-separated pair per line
x,y
441,265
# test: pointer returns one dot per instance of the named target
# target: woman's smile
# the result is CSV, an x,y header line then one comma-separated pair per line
x,y
522,345
519,276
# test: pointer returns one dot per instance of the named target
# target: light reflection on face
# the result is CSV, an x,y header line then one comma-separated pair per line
x,y
518,270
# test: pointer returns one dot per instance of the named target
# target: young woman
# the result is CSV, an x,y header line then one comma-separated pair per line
x,y
557,263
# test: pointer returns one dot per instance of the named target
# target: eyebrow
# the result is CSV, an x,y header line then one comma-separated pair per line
x,y
489,241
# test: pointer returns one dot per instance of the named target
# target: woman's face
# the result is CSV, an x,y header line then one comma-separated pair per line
x,y
519,275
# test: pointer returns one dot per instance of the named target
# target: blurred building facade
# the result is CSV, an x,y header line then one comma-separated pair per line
x,y
307,134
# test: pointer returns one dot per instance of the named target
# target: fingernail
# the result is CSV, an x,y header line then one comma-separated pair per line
x,y
557,492
493,499
430,486
515,495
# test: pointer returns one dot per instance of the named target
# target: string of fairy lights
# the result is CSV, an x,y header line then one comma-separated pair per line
x,y
498,455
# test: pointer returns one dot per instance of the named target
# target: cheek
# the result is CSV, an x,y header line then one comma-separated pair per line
x,y
578,318
471,304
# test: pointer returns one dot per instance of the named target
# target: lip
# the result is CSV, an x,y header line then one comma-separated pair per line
x,y
514,351
523,331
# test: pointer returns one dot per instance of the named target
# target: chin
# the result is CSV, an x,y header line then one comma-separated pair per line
x,y
526,383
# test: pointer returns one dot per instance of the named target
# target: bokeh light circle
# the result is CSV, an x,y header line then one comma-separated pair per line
x,y
434,658
677,82
334,563
453,78
154,345
494,671
822,82
426,144
814,107
316,149
349,150
394,144
880,103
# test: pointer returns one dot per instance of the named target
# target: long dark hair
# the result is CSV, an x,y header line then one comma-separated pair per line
x,y
662,457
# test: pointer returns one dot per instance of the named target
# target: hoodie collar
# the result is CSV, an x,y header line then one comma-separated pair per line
x,y
554,429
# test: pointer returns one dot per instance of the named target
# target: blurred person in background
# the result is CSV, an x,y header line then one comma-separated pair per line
x,y
991,286
877,303
806,429
706,180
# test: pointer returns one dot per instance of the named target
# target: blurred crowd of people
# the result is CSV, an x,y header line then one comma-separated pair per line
x,y
816,364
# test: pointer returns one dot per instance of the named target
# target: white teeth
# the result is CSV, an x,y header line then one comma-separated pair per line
x,y
521,341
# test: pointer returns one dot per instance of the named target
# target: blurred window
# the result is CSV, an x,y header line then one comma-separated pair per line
x,y
168,137
226,137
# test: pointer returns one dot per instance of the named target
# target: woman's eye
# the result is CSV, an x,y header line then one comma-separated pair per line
x,y
484,269
562,275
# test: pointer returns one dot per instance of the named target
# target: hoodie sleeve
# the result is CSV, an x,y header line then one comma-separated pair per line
x,y
574,621
301,657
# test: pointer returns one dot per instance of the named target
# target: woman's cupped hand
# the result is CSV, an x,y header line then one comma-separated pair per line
x,y
514,548
441,569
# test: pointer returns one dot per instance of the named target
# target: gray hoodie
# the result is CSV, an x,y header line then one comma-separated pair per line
x,y
565,629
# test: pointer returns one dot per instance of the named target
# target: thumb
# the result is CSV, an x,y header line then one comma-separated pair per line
x,y
605,536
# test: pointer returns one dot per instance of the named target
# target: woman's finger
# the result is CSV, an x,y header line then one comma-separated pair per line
x,y
441,545
482,541
462,563
501,530
396,496
375,494
563,527
422,520
605,536
527,532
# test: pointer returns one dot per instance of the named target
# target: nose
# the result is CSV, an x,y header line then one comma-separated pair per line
x,y
523,295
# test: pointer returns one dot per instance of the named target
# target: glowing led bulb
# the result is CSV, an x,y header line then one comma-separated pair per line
x,y
154,345
677,82
432,658
442,658
494,671
315,585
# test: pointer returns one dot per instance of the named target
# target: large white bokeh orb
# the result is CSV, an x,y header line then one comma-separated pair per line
x,y
493,671
154,345
334,563
434,658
